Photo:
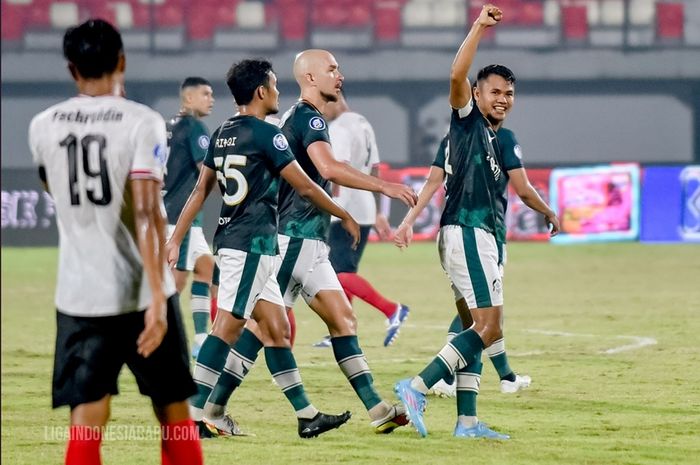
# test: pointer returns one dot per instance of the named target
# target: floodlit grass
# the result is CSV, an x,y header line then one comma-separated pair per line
x,y
565,307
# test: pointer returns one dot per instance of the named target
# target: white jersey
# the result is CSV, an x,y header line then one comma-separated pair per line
x,y
353,142
90,147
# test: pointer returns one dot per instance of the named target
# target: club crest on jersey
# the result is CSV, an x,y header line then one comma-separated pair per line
x,y
518,151
317,123
280,142
203,142
160,153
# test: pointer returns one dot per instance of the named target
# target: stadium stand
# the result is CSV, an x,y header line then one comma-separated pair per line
x,y
175,25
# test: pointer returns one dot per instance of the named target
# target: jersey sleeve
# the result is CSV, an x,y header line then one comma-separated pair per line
x,y
198,141
372,146
277,149
511,150
150,148
465,111
341,140
209,157
441,153
34,137
312,128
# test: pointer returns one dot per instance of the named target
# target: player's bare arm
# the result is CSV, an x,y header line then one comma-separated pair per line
x,y
381,223
150,237
204,186
321,155
460,89
404,233
306,188
521,185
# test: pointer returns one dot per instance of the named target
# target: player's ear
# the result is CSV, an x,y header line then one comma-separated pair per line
x,y
73,71
261,92
121,63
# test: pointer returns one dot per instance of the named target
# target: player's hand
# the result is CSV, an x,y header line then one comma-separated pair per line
x,y
400,192
552,223
350,225
172,253
381,225
490,15
403,236
155,326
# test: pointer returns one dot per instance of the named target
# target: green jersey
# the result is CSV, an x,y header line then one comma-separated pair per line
x,y
303,125
248,155
188,140
476,173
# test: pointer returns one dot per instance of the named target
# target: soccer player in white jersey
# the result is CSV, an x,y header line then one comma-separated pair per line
x,y
353,141
101,156
472,227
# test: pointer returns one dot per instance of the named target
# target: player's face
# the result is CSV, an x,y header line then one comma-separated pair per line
x,y
272,95
201,100
494,96
329,79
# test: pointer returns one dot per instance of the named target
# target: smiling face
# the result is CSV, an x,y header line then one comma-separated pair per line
x,y
494,96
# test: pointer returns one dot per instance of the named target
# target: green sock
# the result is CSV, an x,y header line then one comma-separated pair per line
x,y
468,379
454,329
283,368
240,360
497,354
210,361
200,305
353,364
456,354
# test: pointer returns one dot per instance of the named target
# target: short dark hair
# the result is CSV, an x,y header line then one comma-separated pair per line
x,y
498,70
93,47
246,76
194,81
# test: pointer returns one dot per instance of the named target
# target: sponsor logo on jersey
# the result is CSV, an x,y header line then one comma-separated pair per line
x,y
203,141
160,153
497,286
224,142
280,142
518,151
495,169
317,123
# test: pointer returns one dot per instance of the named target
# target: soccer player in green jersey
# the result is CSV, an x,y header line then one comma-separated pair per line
x,y
246,158
303,228
473,228
188,140
511,382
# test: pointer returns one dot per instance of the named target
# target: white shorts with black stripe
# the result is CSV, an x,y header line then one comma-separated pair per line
x,y
193,246
244,279
473,261
304,269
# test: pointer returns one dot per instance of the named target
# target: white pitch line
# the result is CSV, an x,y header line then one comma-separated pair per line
x,y
638,341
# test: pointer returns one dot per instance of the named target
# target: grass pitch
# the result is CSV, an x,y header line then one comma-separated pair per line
x,y
609,334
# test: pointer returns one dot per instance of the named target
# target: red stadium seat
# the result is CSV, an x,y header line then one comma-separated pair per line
x,y
12,22
141,14
199,23
293,19
169,14
387,21
669,22
38,15
574,23
532,13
